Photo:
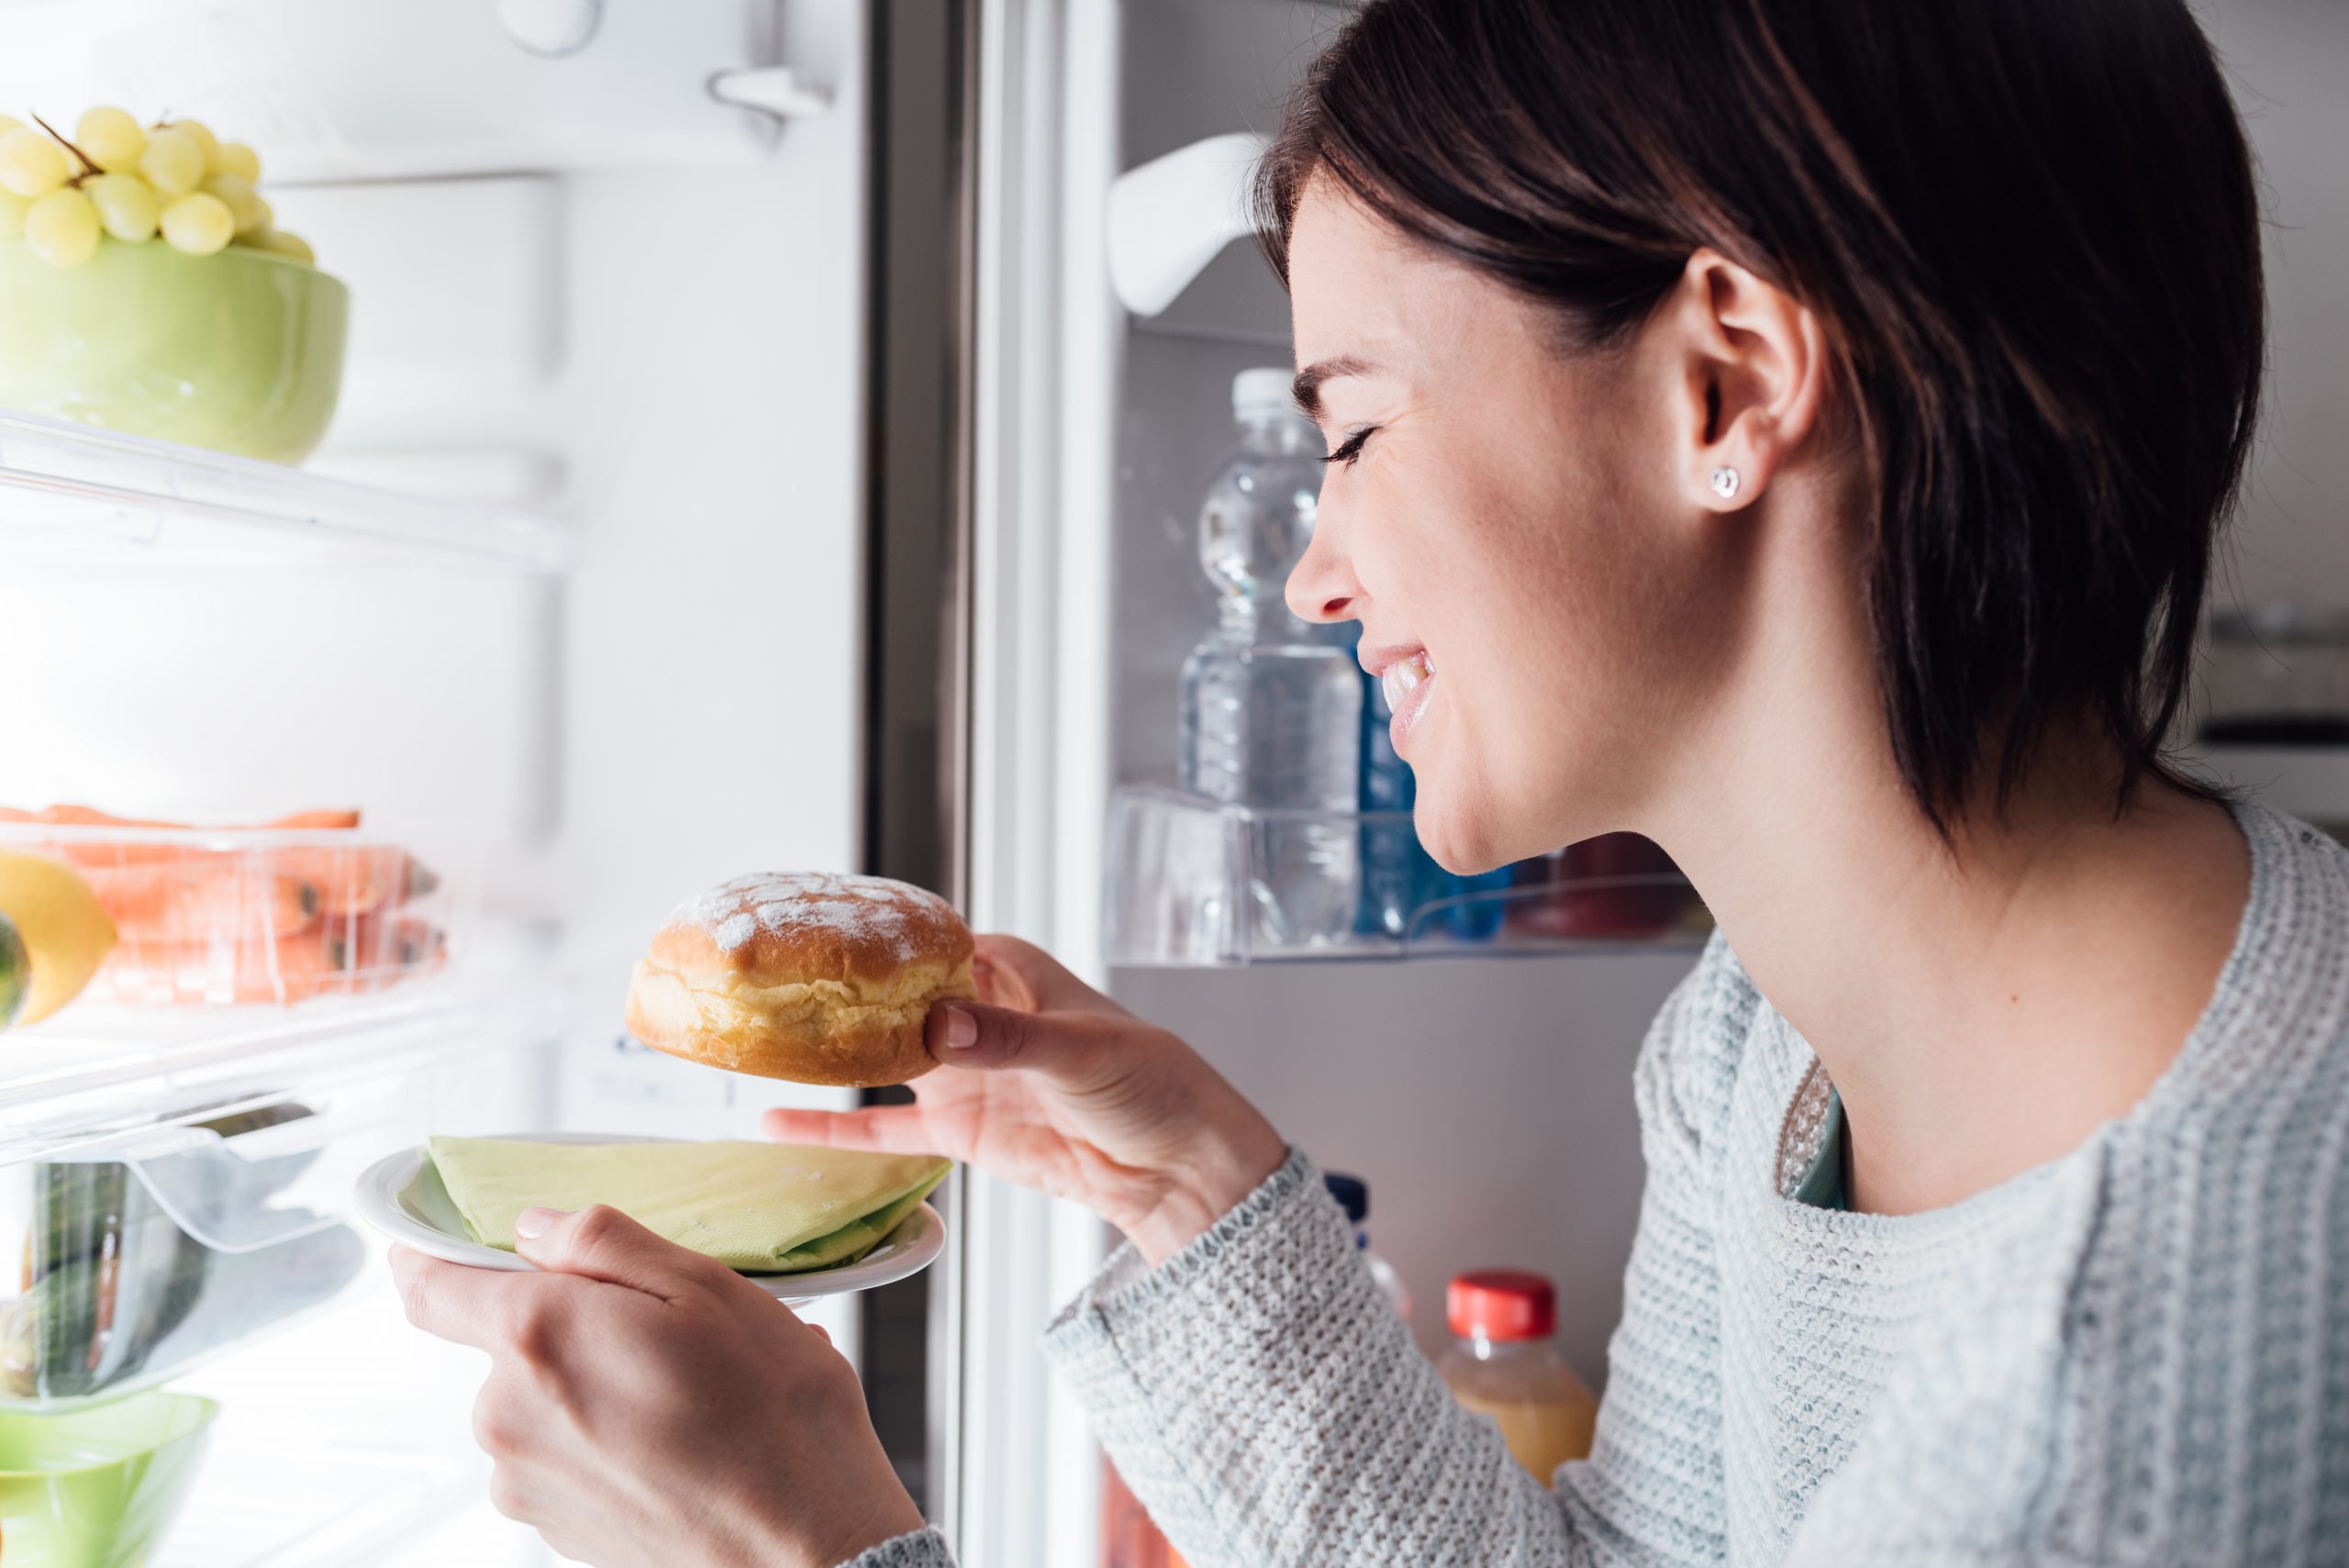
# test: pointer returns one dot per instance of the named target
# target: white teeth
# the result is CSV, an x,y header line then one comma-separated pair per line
x,y
1403,677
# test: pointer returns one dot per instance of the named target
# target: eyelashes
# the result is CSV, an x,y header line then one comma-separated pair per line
x,y
1351,448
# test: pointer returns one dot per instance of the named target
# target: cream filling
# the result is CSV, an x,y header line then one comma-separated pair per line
x,y
723,1004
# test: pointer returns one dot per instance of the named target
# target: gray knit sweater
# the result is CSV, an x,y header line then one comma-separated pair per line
x,y
2137,1355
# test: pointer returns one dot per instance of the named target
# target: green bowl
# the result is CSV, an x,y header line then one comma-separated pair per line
x,y
239,351
99,1488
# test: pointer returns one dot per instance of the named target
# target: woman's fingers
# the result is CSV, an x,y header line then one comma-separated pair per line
x,y
886,1129
1068,1048
599,1242
464,1305
1016,973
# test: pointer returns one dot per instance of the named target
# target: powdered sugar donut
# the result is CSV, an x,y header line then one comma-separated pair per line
x,y
807,975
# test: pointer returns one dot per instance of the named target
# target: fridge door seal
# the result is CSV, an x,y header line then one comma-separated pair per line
x,y
915,644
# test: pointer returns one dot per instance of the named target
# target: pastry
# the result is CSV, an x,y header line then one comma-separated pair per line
x,y
811,976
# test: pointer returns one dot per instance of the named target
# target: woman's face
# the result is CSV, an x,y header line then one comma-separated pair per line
x,y
1508,523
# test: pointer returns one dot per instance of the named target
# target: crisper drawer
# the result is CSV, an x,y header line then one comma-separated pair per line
x,y
135,1255
263,916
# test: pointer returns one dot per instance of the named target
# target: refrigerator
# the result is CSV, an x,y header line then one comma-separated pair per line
x,y
771,436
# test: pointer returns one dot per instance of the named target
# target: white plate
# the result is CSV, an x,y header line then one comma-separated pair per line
x,y
401,1196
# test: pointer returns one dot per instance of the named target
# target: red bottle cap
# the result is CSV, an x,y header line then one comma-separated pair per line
x,y
1501,1304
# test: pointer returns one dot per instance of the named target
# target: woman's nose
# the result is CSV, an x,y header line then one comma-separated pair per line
x,y
1321,586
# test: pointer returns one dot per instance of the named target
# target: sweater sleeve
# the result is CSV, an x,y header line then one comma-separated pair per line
x,y
1260,1397
917,1549
1653,1489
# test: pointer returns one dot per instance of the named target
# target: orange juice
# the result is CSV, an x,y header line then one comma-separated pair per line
x,y
1501,1365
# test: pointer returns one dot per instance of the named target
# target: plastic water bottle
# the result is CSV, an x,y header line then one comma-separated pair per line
x,y
1272,706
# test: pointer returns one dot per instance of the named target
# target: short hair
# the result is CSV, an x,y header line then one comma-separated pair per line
x,y
2030,229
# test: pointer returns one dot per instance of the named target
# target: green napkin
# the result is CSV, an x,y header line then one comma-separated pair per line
x,y
765,1208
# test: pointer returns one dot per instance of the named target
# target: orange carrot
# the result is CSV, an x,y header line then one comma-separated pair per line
x,y
351,954
87,853
324,818
356,881
198,900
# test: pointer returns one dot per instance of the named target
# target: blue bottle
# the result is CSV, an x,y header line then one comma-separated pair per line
x,y
1394,867
1398,876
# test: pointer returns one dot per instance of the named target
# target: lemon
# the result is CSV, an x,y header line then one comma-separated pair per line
x,y
63,932
15,971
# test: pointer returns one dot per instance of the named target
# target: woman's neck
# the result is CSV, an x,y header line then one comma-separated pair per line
x,y
1981,1008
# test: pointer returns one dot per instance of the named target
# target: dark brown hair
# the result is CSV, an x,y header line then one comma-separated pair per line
x,y
2028,227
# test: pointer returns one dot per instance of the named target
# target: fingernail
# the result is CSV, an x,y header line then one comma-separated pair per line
x,y
531,1223
962,1030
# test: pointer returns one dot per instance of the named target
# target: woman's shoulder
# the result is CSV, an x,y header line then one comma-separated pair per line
x,y
2206,1328
1688,1065
2276,1032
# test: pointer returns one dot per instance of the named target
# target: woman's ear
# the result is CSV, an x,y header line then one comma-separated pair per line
x,y
1751,380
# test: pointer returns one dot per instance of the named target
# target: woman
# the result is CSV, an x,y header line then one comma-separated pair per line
x,y
1795,430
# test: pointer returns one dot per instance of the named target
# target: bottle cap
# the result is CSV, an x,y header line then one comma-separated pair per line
x,y
1353,1195
1262,392
1501,1304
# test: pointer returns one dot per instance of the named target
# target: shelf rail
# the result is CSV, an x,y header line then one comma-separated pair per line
x,y
74,495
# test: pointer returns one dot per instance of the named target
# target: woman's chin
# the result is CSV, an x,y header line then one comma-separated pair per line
x,y
1455,846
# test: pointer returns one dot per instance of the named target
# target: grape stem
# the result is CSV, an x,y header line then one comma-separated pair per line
x,y
88,168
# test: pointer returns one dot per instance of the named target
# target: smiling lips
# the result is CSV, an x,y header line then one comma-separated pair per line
x,y
1408,681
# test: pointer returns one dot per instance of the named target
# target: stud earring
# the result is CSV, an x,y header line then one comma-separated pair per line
x,y
1725,482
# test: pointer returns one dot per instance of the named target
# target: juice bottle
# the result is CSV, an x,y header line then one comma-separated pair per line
x,y
1501,1365
1128,1538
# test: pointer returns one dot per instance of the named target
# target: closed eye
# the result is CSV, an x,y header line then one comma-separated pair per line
x,y
1351,448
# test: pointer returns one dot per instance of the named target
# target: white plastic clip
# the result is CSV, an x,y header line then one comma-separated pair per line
x,y
771,90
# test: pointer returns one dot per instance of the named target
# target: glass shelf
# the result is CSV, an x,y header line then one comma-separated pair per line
x,y
75,495
1197,882
98,1074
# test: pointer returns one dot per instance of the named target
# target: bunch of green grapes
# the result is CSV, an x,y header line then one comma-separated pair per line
x,y
117,179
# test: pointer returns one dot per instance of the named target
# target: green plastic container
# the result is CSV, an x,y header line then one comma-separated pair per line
x,y
239,351
97,1488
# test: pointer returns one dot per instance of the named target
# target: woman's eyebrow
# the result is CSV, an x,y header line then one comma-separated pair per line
x,y
1307,388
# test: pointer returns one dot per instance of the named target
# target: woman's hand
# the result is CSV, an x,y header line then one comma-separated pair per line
x,y
1047,1083
647,1408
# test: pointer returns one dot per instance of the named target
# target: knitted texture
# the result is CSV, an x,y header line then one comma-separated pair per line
x,y
919,1549
2138,1353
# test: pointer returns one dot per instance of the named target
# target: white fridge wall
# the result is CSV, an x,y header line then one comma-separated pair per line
x,y
233,696
2285,60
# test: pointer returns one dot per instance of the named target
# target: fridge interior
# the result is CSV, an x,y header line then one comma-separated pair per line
x,y
567,606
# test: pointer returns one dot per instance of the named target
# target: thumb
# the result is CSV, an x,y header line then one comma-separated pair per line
x,y
599,1242
1070,1049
